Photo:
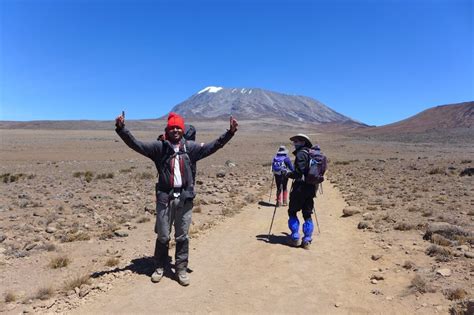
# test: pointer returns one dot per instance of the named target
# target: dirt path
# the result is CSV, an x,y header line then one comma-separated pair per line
x,y
236,272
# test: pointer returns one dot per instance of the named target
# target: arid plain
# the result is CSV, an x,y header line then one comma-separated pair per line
x,y
77,212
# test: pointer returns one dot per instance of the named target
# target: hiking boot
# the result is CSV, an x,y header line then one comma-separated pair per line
x,y
278,203
157,275
183,278
285,203
306,245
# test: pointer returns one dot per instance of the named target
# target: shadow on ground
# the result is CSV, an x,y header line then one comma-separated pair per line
x,y
142,266
281,239
266,204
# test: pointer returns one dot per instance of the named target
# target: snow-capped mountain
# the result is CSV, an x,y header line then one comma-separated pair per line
x,y
254,103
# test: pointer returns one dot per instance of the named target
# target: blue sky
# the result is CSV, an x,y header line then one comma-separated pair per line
x,y
377,61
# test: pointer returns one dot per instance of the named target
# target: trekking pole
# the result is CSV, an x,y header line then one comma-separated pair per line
x,y
317,222
321,185
271,188
273,217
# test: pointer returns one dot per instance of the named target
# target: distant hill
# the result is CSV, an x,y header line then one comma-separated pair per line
x,y
257,104
79,124
443,117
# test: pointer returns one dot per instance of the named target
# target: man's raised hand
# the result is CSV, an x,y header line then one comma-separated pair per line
x,y
233,124
120,121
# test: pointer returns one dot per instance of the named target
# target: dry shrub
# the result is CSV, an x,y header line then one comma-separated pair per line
x,y
466,161
408,264
463,307
73,236
108,232
145,175
50,247
197,209
403,226
437,170
427,213
461,239
88,175
121,220
419,284
440,240
440,253
10,178
59,262
250,198
233,194
76,282
227,212
413,209
455,294
143,220
44,293
105,175
112,262
342,162
10,297
125,170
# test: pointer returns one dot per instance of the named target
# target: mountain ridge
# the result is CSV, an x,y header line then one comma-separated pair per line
x,y
440,117
256,103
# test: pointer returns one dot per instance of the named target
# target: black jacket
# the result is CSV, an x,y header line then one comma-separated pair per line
x,y
301,164
162,152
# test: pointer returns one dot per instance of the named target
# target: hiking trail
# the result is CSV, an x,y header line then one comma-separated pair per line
x,y
235,270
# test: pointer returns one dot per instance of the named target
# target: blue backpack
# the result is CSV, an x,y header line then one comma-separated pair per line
x,y
278,164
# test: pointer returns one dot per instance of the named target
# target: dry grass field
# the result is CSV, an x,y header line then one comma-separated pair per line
x,y
78,204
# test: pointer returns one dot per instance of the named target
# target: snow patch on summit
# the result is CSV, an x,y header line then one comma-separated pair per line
x,y
211,89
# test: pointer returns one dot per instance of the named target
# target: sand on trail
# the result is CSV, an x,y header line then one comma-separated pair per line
x,y
235,270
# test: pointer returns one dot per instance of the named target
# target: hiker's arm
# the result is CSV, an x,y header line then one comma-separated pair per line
x,y
148,149
289,164
301,162
205,149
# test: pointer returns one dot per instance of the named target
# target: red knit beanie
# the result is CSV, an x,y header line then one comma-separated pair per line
x,y
174,120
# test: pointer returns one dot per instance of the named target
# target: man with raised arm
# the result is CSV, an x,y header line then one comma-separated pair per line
x,y
173,157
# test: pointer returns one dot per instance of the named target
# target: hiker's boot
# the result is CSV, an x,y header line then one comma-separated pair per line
x,y
285,198
183,277
157,275
294,225
308,228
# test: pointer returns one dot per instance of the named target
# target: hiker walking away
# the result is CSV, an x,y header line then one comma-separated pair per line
x,y
173,158
302,193
281,164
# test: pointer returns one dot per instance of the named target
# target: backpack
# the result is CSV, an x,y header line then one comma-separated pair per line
x,y
278,164
316,168
190,133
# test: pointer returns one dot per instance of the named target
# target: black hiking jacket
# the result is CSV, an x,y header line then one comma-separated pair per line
x,y
301,165
162,153
301,188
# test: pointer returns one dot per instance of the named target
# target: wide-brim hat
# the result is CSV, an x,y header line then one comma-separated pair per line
x,y
282,150
302,137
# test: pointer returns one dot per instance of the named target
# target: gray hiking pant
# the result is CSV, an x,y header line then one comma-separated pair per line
x,y
172,212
